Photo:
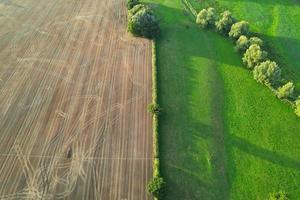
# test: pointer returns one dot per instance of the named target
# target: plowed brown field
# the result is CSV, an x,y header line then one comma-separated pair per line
x,y
73,94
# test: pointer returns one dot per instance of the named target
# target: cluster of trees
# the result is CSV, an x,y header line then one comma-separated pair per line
x,y
254,57
141,20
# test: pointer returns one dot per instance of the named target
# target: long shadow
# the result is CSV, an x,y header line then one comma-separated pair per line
x,y
285,51
264,154
282,2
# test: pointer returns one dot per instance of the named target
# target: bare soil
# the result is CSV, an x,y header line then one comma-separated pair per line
x,y
74,87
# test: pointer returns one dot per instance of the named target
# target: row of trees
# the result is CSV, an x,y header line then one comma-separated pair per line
x,y
141,20
255,58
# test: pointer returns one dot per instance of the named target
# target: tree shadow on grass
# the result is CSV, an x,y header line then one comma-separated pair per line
x,y
265,154
286,52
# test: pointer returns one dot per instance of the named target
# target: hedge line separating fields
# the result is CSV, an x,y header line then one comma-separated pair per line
x,y
156,162
143,23
255,58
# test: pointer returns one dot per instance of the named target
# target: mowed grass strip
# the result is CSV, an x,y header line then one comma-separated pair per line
x,y
222,135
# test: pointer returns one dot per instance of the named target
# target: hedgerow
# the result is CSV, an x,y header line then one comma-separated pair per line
x,y
254,56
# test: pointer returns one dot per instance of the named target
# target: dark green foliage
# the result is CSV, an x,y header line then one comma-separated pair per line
x,y
206,17
223,25
154,108
132,3
286,91
278,196
142,22
238,29
254,55
267,73
156,187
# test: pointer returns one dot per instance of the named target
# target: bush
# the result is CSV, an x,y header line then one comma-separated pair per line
x,y
156,187
254,55
238,29
286,91
225,22
206,17
278,196
297,110
142,22
154,108
243,43
256,40
267,73
132,3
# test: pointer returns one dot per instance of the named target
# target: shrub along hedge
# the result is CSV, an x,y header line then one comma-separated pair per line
x,y
255,58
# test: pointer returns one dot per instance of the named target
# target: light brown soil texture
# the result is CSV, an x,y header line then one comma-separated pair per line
x,y
74,88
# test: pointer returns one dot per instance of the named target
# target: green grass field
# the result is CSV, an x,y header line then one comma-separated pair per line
x,y
222,135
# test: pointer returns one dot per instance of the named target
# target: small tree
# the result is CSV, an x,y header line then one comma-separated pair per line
x,y
242,44
225,22
143,23
256,40
254,55
154,109
281,195
267,73
297,103
286,91
238,29
206,17
156,187
132,3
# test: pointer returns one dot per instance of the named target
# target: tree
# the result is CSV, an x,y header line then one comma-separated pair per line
x,y
278,196
286,91
225,22
297,110
154,109
132,3
206,17
156,187
267,73
242,44
254,55
142,22
256,40
238,29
